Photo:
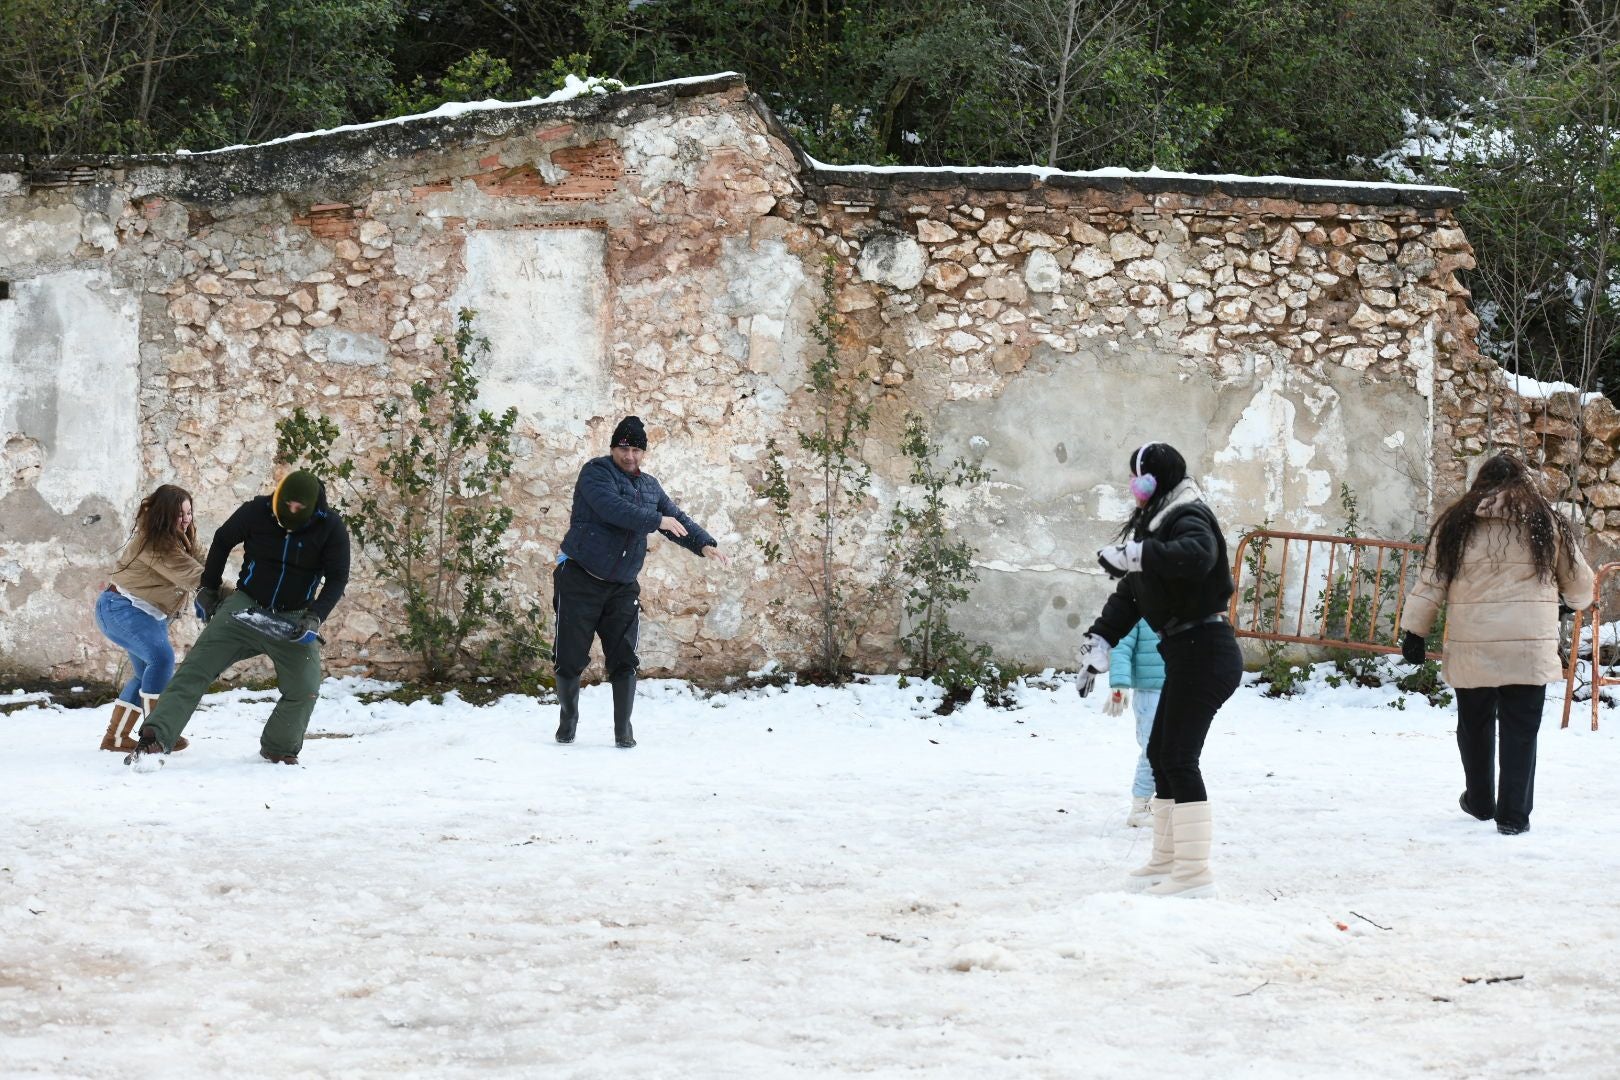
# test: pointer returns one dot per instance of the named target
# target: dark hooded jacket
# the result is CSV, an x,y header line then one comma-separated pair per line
x,y
612,517
282,570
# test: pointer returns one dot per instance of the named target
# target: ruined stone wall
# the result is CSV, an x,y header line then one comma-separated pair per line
x,y
659,251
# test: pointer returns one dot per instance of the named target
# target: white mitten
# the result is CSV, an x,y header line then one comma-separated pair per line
x,y
1093,661
1115,706
1121,559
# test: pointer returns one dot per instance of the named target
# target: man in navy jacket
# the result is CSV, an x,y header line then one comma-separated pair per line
x,y
595,593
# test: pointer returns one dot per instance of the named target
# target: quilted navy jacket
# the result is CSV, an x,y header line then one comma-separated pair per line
x,y
613,515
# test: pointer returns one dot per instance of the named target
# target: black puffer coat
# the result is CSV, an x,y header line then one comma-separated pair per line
x,y
1184,577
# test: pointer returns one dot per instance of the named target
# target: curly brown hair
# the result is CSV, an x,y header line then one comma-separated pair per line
x,y
157,523
1506,479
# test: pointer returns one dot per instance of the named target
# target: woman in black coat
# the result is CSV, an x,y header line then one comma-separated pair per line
x,y
1172,569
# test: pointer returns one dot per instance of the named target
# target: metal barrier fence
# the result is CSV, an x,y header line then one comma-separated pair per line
x,y
1353,601
1608,579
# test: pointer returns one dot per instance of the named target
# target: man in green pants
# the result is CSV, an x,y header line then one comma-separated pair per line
x,y
292,544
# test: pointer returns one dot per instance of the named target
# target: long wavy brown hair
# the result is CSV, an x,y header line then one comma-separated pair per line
x,y
1506,479
157,524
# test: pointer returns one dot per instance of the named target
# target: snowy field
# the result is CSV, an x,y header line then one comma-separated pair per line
x,y
796,883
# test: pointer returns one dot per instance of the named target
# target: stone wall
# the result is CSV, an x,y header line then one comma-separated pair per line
x,y
658,251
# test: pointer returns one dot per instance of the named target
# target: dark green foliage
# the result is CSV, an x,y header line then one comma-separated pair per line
x,y
1540,161
1425,680
429,513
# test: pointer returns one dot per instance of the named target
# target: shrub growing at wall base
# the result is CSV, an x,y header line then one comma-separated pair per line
x,y
430,516
936,569
821,510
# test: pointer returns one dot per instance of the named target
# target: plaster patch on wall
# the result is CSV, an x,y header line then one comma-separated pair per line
x,y
541,298
336,346
70,352
1269,424
44,235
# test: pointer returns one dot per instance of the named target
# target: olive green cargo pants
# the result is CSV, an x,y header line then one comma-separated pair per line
x,y
225,642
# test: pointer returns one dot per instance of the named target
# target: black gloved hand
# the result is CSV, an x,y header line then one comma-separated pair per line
x,y
308,623
1413,648
207,603
1564,611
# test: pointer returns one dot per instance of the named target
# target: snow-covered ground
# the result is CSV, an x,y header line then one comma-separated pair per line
x,y
808,882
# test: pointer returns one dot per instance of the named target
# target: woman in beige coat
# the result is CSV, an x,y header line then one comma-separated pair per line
x,y
1501,559
151,582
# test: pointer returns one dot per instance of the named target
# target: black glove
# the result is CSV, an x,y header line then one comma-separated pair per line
x,y
1413,649
1564,611
207,603
308,623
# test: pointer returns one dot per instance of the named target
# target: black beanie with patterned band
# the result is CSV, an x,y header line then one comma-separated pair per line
x,y
630,432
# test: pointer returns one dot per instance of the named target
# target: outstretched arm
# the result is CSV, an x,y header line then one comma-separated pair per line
x,y
696,538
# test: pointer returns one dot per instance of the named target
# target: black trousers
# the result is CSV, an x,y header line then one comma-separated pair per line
x,y
587,607
1517,711
1202,668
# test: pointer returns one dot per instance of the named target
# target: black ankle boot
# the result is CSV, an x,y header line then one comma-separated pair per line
x,y
567,708
624,700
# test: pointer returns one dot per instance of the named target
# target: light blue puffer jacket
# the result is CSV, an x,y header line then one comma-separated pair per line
x,y
1135,662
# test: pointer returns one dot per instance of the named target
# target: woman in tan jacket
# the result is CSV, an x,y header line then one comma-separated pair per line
x,y
151,582
1501,559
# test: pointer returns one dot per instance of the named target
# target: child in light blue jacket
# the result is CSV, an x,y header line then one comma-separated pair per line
x,y
1136,675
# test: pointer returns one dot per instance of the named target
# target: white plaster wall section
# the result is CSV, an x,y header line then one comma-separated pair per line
x,y
766,294
70,354
1421,357
1264,438
542,301
40,238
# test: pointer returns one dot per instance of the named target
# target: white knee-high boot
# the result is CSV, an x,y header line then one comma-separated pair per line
x,y
1190,875
1163,857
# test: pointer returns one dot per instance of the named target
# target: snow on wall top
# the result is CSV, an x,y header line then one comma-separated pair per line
x,y
280,163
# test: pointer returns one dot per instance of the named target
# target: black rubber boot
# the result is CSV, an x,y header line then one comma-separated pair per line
x,y
624,701
567,708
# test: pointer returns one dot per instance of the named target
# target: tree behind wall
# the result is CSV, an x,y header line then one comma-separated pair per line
x,y
1539,156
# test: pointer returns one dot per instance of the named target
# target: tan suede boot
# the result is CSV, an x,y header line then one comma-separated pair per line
x,y
1159,865
1190,876
150,702
121,728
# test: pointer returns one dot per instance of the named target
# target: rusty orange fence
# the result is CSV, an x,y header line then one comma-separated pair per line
x,y
1341,592
1347,592
1608,581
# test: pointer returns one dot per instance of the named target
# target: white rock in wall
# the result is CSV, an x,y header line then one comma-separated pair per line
x,y
1092,262
1125,245
893,260
1041,272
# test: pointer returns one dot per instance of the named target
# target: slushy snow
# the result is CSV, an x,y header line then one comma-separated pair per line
x,y
796,882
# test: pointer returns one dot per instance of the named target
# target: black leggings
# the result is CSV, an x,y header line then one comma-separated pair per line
x,y
1202,668
1517,711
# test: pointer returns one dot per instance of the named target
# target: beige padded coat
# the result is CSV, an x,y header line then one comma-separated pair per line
x,y
165,580
1501,619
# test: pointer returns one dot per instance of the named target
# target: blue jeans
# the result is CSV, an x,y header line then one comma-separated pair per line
x,y
145,639
1144,703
